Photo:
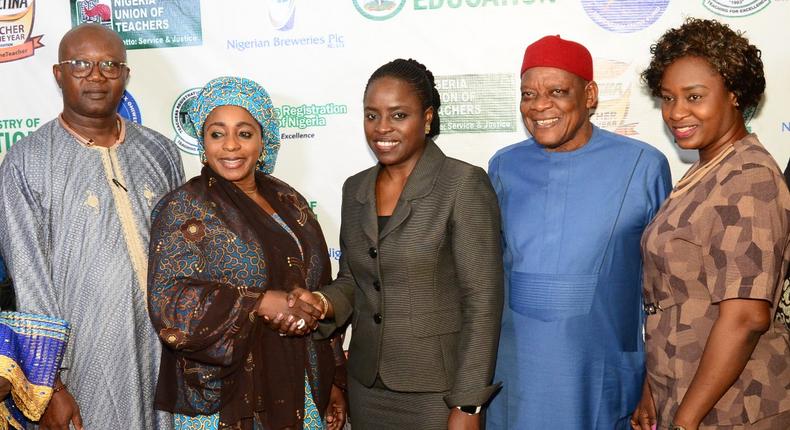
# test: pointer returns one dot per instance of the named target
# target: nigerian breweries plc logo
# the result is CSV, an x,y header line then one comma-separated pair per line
x,y
16,28
624,16
735,8
614,96
281,14
379,10
179,117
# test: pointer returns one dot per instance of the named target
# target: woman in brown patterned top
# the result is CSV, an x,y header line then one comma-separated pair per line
x,y
717,251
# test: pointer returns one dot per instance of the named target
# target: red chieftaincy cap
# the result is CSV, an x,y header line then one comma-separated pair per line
x,y
554,51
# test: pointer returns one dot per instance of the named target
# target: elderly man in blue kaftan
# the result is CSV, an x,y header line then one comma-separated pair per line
x,y
75,203
574,201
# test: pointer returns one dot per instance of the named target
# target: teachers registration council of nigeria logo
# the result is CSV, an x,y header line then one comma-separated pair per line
x,y
379,10
181,123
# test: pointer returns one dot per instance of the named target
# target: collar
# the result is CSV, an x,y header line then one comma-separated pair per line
x,y
89,142
420,181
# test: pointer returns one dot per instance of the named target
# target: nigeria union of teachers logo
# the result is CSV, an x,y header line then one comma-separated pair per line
x,y
181,123
16,27
625,16
94,11
379,10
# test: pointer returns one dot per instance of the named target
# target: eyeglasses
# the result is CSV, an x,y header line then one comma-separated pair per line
x,y
110,69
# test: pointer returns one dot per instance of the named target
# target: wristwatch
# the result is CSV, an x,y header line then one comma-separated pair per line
x,y
472,410
673,426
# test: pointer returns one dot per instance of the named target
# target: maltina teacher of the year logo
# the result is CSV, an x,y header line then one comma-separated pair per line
x,y
16,27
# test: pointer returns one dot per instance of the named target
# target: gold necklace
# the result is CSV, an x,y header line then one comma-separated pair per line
x,y
695,175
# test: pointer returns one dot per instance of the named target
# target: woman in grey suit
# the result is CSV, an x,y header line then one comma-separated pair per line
x,y
421,268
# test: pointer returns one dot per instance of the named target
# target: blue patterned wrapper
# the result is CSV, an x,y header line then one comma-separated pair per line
x,y
31,350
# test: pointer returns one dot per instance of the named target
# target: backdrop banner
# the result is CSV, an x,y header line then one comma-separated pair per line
x,y
315,56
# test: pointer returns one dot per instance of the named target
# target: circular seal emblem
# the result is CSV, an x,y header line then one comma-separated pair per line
x,y
181,123
735,8
624,16
129,109
379,10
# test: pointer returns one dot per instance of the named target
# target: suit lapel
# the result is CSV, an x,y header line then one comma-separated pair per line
x,y
366,196
401,212
420,183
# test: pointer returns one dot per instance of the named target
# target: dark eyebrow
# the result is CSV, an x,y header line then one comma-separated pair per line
x,y
689,87
390,108
222,124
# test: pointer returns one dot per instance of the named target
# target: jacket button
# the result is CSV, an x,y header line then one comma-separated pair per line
x,y
372,252
377,285
377,318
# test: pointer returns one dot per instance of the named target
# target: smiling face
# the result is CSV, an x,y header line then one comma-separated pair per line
x,y
699,110
93,96
232,141
555,106
395,122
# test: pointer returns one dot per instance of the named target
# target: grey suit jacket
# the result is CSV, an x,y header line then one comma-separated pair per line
x,y
426,292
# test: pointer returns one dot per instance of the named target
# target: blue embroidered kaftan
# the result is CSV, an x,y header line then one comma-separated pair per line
x,y
571,350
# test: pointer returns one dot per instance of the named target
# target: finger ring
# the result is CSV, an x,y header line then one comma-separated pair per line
x,y
281,334
301,323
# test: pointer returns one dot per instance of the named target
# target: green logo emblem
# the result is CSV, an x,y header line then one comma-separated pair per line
x,y
735,8
379,10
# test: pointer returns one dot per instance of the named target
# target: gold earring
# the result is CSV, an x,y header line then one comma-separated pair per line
x,y
427,128
203,158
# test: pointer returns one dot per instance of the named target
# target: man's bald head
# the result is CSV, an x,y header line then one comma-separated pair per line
x,y
87,32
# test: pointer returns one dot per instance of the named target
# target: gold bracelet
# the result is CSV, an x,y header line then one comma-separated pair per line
x,y
324,304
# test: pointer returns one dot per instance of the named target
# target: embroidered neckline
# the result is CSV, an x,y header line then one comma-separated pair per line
x,y
89,142
697,172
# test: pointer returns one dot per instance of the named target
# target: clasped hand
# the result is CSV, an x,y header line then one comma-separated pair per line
x,y
294,314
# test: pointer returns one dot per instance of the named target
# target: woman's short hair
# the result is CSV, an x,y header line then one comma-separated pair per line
x,y
728,52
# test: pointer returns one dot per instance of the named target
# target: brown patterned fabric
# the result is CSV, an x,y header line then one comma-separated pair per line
x,y
724,237
774,422
213,253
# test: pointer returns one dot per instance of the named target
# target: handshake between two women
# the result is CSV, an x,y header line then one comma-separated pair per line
x,y
294,313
